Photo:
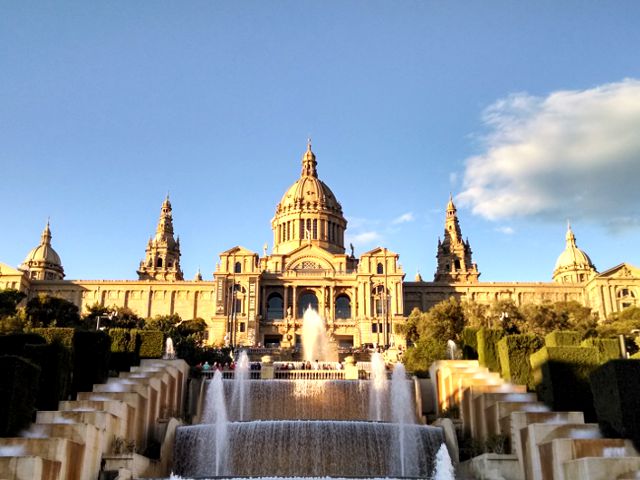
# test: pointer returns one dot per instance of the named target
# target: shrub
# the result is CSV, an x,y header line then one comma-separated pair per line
x,y
18,388
418,358
562,338
14,344
54,361
151,343
63,336
561,376
608,348
514,352
470,343
124,349
487,348
616,394
91,352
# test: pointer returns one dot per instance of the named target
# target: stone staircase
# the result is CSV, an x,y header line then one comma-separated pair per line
x,y
540,444
91,434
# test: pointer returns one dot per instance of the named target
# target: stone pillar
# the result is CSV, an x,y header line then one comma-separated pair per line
x,y
350,368
267,372
294,309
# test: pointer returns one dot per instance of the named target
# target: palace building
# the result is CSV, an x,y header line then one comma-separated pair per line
x,y
260,299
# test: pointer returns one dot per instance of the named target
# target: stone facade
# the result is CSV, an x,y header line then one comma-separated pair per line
x,y
260,299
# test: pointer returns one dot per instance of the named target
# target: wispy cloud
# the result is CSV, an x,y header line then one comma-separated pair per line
x,y
571,154
506,230
404,218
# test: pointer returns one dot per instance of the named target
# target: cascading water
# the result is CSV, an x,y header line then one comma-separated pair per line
x,y
309,428
378,388
215,414
239,397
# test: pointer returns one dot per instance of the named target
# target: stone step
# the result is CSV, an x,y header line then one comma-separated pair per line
x,y
29,467
603,468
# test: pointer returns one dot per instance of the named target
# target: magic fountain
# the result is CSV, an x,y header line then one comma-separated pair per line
x,y
308,428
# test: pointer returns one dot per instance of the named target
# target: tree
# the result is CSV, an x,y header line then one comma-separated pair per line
x,y
9,300
444,321
112,317
45,311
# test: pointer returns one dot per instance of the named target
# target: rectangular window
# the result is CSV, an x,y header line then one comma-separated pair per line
x,y
374,328
242,327
315,229
301,222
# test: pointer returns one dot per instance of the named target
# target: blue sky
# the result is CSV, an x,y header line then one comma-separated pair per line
x,y
528,112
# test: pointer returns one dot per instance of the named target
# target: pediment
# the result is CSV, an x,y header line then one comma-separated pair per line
x,y
238,250
309,257
624,270
379,252
8,270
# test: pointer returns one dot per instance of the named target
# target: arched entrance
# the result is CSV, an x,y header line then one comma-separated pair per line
x,y
306,299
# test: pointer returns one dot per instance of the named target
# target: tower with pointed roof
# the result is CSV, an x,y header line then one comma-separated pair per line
x,y
43,262
162,258
454,254
573,265
308,213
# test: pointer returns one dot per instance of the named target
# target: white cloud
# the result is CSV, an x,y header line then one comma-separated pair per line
x,y
506,230
363,238
453,179
572,154
404,218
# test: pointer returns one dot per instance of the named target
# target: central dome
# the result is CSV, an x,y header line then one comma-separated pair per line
x,y
308,212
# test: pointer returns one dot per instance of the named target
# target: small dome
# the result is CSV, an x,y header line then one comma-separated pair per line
x,y
43,262
572,257
44,252
309,192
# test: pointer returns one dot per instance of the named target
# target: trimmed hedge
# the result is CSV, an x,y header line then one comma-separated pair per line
x,y
18,388
562,338
470,343
487,348
55,365
608,348
14,344
616,395
561,377
91,352
64,336
151,343
514,352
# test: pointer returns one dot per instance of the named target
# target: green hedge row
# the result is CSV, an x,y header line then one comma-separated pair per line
x,y
488,348
91,351
128,346
561,376
608,348
470,343
18,388
616,395
514,352
562,338
55,362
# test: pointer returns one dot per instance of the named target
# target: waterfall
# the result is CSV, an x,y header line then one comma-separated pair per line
x,y
444,468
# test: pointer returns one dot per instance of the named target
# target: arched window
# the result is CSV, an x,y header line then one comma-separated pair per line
x,y
159,262
380,269
275,307
626,298
380,305
343,306
456,264
237,268
315,229
305,300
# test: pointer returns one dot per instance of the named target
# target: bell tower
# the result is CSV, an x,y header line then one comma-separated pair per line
x,y
454,253
162,258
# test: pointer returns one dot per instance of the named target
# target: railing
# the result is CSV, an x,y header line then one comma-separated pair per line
x,y
309,374
229,374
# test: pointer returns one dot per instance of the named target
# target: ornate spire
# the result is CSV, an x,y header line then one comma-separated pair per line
x,y
162,259
45,237
309,162
454,254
